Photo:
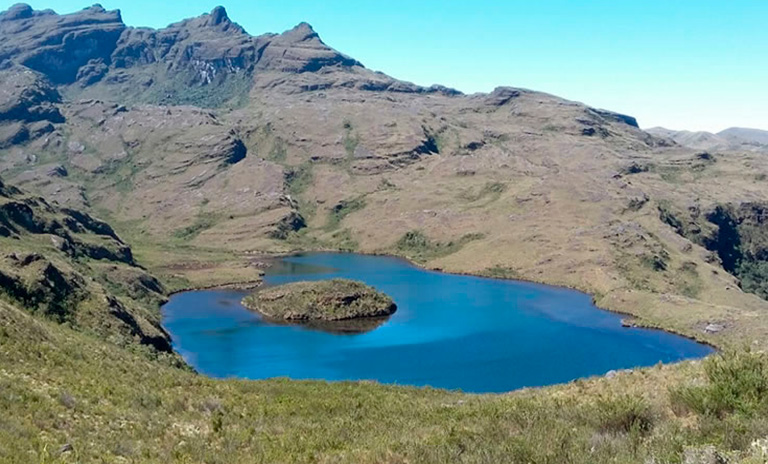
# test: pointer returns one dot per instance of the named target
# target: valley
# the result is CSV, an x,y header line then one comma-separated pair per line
x,y
206,152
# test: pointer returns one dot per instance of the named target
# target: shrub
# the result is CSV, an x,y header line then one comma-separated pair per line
x,y
416,245
298,179
342,209
624,414
754,277
203,222
736,383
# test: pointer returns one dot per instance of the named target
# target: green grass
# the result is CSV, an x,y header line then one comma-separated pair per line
x,y
203,222
687,281
278,151
343,240
60,387
343,209
500,272
737,385
351,140
754,277
490,192
417,246
299,178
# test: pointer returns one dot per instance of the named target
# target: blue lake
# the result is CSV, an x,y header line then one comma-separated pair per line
x,y
450,331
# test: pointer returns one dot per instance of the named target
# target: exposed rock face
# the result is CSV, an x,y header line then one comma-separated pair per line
x,y
26,96
37,283
93,46
80,263
28,106
58,45
211,39
328,300
735,233
73,232
617,117
300,50
292,221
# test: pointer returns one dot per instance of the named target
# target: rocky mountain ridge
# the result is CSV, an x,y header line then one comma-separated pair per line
x,y
93,49
92,152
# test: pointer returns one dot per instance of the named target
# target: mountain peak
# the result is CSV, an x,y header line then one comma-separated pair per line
x,y
300,33
219,15
18,11
97,8
304,27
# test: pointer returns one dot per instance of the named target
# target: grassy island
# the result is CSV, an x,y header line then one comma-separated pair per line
x,y
325,300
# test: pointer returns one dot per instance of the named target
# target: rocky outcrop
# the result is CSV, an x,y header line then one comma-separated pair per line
x,y
58,45
82,274
37,283
616,117
735,233
29,106
147,334
501,96
27,96
300,50
93,48
741,233
292,221
72,232
326,300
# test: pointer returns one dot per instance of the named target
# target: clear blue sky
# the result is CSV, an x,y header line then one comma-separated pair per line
x,y
682,64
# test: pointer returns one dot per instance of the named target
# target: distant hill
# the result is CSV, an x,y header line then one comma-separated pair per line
x,y
745,136
735,138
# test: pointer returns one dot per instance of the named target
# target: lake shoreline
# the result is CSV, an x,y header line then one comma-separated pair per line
x,y
636,321
635,348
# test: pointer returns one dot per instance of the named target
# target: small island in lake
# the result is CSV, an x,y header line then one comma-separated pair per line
x,y
334,301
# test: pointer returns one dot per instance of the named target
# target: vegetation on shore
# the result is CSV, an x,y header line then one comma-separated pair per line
x,y
83,389
325,300
68,396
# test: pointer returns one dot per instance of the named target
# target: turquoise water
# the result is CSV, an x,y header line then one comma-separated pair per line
x,y
450,331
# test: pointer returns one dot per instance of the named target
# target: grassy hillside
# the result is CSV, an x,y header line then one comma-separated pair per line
x,y
86,376
70,397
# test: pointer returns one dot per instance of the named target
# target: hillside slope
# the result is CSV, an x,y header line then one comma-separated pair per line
x,y
69,397
315,151
65,265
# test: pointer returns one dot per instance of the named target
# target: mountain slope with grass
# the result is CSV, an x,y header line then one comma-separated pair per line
x,y
85,376
295,146
67,266
204,147
70,396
